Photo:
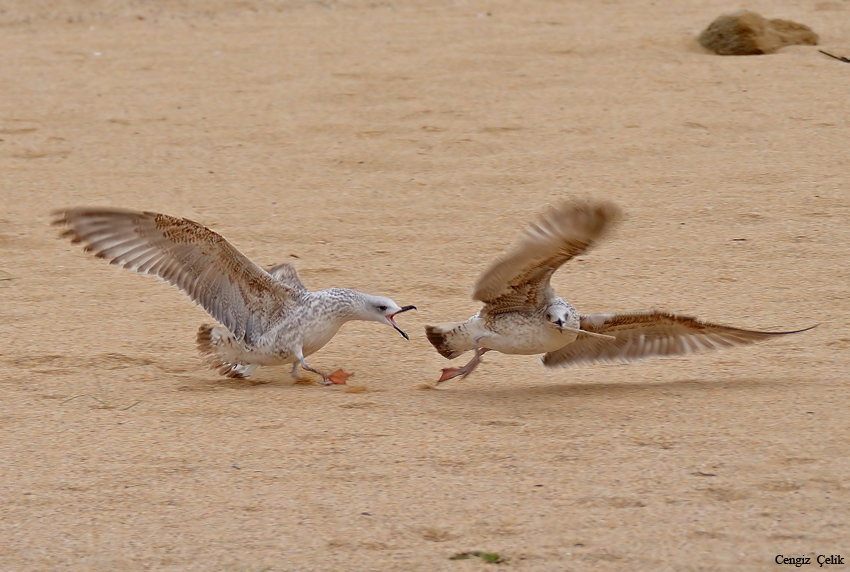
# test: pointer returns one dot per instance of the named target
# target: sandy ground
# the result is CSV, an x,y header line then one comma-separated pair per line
x,y
397,148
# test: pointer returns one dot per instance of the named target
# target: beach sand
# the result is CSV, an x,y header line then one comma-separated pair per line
x,y
398,148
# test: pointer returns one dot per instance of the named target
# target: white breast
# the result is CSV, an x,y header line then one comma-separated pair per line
x,y
524,335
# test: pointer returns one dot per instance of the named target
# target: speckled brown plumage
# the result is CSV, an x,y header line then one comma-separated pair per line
x,y
266,317
639,335
523,315
520,280
240,295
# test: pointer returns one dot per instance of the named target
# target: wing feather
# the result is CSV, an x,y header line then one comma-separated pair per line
x,y
643,335
240,295
520,280
288,275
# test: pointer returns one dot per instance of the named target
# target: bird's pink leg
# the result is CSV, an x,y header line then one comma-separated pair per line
x,y
462,372
338,377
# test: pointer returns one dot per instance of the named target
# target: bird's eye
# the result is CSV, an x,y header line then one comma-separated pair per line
x,y
382,308
548,316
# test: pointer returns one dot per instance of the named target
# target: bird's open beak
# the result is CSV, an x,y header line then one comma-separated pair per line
x,y
391,316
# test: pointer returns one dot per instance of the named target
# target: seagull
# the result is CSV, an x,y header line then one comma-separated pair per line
x,y
523,315
265,317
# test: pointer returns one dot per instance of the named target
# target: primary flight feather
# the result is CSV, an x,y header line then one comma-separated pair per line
x,y
523,315
266,317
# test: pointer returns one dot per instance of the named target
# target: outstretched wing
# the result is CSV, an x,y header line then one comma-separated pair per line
x,y
240,295
520,280
287,275
642,335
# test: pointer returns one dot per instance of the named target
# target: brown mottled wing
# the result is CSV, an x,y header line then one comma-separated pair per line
x,y
520,280
642,335
287,275
240,295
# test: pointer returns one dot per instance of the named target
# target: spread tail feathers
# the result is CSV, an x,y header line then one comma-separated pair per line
x,y
221,350
450,340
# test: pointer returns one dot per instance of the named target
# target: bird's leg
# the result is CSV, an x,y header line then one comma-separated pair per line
x,y
338,377
462,372
294,372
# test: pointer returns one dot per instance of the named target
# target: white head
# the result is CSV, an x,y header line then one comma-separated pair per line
x,y
560,313
382,309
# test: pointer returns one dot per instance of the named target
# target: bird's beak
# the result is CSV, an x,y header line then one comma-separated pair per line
x,y
391,316
560,324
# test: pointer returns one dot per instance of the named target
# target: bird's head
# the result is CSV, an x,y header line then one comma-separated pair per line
x,y
561,314
384,310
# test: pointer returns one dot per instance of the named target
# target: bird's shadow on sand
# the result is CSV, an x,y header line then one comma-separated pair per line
x,y
605,388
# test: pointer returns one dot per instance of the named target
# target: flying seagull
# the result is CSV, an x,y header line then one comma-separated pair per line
x,y
522,315
266,317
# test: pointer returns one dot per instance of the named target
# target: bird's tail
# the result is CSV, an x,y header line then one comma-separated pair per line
x,y
222,351
450,340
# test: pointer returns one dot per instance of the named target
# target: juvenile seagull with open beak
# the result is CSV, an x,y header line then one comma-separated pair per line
x,y
522,314
266,317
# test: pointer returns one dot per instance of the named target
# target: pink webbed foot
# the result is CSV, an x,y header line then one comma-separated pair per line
x,y
338,377
450,373
462,372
